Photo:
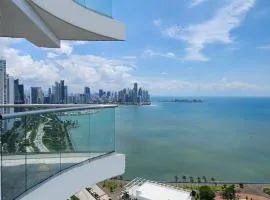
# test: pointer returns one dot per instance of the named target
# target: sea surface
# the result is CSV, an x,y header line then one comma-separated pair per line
x,y
225,138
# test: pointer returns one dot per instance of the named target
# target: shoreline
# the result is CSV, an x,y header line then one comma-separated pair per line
x,y
252,190
203,183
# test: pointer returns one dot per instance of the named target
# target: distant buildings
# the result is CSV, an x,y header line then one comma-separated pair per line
x,y
18,92
12,92
2,83
37,96
134,96
58,94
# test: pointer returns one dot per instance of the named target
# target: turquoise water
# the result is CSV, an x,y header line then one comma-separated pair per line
x,y
224,138
95,133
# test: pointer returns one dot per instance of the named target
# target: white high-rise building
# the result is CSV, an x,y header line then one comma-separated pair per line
x,y
10,91
3,83
10,99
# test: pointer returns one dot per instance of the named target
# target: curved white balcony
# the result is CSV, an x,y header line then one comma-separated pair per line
x,y
46,22
56,152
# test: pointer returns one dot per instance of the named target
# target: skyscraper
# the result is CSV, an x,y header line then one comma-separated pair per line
x,y
65,95
100,93
56,92
2,80
36,95
2,83
62,92
18,92
10,95
135,93
59,93
87,94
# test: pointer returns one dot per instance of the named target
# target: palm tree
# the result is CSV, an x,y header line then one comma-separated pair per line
x,y
191,179
184,178
213,181
199,180
204,179
176,178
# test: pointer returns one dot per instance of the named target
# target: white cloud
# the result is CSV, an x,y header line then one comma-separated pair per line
x,y
169,55
196,2
157,22
66,49
52,55
77,70
264,47
216,30
162,85
111,74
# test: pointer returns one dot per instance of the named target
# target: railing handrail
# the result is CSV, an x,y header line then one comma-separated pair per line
x,y
52,108
51,105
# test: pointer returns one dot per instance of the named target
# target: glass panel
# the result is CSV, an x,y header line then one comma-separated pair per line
x,y
13,158
78,128
38,146
43,156
101,6
103,131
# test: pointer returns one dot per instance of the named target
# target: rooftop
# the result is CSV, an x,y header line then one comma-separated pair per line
x,y
147,190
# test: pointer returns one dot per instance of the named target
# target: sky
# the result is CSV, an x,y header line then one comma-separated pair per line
x,y
173,48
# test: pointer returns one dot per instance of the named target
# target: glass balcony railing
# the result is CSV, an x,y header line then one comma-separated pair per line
x,y
103,7
36,145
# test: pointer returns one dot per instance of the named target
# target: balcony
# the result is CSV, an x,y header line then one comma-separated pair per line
x,y
57,149
46,22
103,7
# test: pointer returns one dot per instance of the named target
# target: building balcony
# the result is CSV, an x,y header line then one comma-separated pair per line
x,y
46,22
103,7
52,153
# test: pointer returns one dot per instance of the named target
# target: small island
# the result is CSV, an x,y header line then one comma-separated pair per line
x,y
184,100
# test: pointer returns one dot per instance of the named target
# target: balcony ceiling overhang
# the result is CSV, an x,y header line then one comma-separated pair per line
x,y
46,23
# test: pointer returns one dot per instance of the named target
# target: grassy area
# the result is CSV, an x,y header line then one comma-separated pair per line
x,y
266,191
74,198
112,185
216,188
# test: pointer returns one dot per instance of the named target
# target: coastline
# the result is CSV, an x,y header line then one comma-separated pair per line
x,y
254,191
136,104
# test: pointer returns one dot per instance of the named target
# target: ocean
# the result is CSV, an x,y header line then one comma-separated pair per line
x,y
227,138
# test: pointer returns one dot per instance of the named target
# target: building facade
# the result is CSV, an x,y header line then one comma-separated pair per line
x,y
37,95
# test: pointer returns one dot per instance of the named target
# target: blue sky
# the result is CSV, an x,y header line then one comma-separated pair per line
x,y
175,47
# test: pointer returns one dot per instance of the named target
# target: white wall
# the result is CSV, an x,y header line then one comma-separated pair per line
x,y
73,181
80,17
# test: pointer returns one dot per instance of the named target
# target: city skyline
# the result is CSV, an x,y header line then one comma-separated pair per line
x,y
219,50
12,92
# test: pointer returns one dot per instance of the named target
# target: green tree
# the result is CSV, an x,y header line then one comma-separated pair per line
x,y
74,198
213,180
204,179
228,192
184,178
199,180
206,193
241,185
176,178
